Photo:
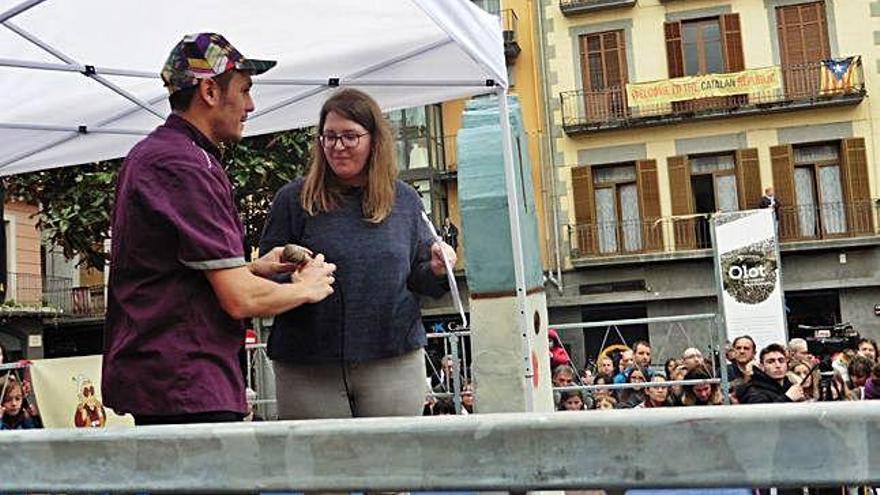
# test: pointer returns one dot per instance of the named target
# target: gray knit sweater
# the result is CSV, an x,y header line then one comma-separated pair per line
x,y
374,312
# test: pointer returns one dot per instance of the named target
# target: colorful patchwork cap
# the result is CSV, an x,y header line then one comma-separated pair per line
x,y
203,56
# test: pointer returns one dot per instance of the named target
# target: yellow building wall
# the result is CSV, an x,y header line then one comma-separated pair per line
x,y
527,87
649,64
26,281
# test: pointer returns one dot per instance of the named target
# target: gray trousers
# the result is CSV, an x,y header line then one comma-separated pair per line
x,y
383,387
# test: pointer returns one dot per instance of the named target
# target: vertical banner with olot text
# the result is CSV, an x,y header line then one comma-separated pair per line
x,y
749,273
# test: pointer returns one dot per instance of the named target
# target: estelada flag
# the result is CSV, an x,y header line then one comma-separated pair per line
x,y
837,75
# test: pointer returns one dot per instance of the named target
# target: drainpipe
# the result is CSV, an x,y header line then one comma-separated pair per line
x,y
548,142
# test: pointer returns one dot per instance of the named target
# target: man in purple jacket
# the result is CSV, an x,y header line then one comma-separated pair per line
x,y
179,283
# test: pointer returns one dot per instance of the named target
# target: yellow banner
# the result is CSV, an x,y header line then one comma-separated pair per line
x,y
68,394
750,82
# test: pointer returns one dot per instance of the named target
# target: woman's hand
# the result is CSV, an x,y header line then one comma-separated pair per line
x,y
437,250
272,263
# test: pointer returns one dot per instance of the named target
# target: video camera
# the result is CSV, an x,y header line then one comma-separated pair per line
x,y
828,340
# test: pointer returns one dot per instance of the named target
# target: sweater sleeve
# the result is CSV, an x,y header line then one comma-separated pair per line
x,y
421,279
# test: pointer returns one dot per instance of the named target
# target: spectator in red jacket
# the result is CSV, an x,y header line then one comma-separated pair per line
x,y
558,354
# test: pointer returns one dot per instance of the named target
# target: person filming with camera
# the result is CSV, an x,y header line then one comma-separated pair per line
x,y
768,382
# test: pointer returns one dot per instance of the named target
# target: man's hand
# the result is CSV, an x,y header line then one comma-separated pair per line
x,y
272,264
315,278
795,393
437,251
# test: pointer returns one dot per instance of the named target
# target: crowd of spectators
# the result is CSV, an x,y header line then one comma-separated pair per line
x,y
775,373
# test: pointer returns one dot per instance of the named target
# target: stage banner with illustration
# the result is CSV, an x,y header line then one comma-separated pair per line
x,y
68,392
750,278
766,81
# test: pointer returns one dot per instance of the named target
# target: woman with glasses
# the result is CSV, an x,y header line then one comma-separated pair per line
x,y
358,352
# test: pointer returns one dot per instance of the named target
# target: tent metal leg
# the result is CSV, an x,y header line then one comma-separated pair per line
x,y
513,206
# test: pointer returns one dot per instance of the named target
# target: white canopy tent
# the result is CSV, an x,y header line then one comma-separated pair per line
x,y
80,78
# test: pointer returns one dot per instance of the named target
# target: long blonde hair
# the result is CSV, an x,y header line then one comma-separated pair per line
x,y
321,190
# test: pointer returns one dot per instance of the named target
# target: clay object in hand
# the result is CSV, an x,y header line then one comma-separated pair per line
x,y
296,254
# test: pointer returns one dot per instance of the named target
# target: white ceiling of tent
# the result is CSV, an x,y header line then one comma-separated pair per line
x,y
404,52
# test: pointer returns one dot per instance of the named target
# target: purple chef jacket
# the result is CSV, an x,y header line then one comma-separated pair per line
x,y
169,348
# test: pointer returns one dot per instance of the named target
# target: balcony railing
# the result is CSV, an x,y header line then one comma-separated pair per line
x,y
574,7
24,290
692,232
615,238
74,302
509,21
585,111
826,221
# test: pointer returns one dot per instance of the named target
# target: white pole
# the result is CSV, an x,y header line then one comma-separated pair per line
x,y
18,9
519,265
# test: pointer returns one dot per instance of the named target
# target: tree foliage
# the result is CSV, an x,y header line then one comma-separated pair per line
x,y
76,203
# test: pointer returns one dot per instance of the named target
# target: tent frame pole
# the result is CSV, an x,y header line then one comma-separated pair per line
x,y
73,67
18,9
91,74
79,130
73,135
367,70
513,208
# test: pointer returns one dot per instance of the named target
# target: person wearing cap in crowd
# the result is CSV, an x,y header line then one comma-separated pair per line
x,y
180,284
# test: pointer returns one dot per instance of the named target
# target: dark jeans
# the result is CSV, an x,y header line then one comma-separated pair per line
x,y
205,417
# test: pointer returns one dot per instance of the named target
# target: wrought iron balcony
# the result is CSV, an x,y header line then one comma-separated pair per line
x,y
826,221
666,235
509,21
801,88
74,302
575,7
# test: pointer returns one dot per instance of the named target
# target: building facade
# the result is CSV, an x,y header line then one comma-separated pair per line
x,y
24,306
726,98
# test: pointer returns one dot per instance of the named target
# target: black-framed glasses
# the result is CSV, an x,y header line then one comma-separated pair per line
x,y
348,139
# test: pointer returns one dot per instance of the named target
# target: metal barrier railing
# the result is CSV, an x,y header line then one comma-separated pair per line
x,y
717,339
456,348
260,376
772,445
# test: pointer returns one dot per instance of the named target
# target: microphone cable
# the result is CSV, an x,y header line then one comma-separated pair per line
x,y
342,365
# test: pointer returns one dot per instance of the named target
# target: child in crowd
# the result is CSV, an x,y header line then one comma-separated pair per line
x,y
631,397
656,396
572,400
13,413
606,402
